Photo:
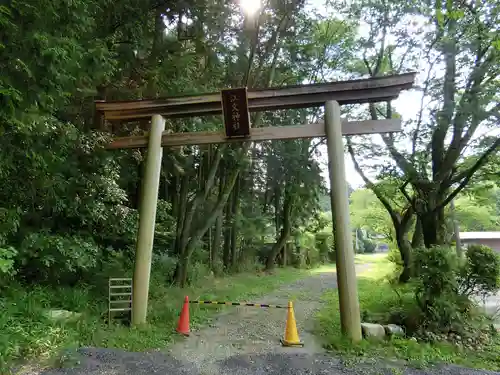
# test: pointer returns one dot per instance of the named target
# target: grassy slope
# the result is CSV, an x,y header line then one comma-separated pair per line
x,y
27,333
377,297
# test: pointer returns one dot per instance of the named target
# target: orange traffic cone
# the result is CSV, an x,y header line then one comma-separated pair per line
x,y
183,325
291,334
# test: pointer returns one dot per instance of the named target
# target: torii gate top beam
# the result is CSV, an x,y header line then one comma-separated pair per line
x,y
357,91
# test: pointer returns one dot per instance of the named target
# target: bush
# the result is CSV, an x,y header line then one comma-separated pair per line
x,y
306,254
435,269
436,286
480,275
41,253
7,256
444,286
324,244
369,246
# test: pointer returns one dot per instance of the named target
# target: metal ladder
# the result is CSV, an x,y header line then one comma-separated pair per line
x,y
119,296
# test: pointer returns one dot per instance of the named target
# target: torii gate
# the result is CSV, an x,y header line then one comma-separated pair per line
x,y
331,95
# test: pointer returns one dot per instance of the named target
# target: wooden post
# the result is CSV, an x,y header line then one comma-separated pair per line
x,y
346,274
147,218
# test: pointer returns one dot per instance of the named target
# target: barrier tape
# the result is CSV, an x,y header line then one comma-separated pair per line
x,y
238,304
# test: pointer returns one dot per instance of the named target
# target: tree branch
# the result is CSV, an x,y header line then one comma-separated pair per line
x,y
370,184
470,173
410,200
468,107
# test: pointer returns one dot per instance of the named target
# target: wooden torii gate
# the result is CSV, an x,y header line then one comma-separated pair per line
x,y
331,95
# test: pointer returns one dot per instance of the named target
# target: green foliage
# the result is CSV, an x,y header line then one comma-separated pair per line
x,y
436,291
480,275
35,335
394,256
444,286
369,214
69,207
382,301
325,246
41,253
7,256
306,252
455,37
369,245
435,269
479,212
362,243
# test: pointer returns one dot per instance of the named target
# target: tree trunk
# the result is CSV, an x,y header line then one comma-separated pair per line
x,y
405,251
226,255
285,250
277,194
456,229
285,232
181,270
216,242
181,212
202,228
418,239
430,225
235,203
401,228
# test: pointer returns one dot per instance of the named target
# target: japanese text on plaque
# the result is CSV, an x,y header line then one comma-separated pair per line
x,y
235,112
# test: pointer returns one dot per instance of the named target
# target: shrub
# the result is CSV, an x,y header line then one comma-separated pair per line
x,y
324,244
435,269
369,246
306,253
480,274
436,286
7,256
444,286
41,253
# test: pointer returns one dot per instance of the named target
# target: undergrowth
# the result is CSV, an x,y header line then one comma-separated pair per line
x,y
26,332
379,299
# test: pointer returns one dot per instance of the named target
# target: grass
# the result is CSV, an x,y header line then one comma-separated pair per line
x,y
370,258
358,259
377,296
26,333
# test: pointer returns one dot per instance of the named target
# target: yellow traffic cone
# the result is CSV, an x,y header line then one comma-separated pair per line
x,y
291,334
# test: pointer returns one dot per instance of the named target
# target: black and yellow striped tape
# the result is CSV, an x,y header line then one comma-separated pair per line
x,y
238,304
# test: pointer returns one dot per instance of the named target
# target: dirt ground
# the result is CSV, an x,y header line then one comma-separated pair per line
x,y
245,340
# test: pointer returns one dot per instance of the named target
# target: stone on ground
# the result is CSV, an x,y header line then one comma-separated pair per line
x,y
394,330
372,330
57,315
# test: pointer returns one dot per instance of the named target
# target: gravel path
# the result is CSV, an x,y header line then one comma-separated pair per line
x,y
248,330
245,340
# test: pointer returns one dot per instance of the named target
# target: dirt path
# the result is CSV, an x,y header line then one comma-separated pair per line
x,y
244,341
244,331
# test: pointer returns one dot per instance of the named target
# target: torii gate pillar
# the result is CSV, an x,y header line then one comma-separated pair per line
x,y
346,274
147,218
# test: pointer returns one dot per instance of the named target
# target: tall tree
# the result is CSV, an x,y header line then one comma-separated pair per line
x,y
455,45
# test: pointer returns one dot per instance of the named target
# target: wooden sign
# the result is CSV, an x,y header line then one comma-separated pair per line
x,y
235,112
